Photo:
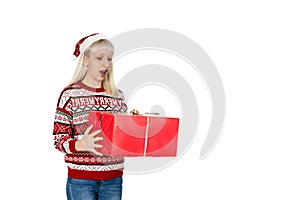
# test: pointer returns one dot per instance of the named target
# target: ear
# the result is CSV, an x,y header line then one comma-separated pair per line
x,y
85,60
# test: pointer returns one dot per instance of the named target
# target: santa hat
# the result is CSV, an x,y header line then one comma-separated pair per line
x,y
85,42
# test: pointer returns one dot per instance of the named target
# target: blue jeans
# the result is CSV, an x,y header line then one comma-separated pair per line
x,y
83,189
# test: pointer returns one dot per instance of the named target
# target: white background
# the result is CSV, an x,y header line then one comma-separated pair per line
x,y
255,46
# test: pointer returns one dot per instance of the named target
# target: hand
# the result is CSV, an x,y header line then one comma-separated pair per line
x,y
88,141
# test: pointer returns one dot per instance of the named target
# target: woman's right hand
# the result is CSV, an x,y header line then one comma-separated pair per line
x,y
88,141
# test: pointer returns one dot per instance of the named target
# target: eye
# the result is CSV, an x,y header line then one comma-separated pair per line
x,y
99,58
109,59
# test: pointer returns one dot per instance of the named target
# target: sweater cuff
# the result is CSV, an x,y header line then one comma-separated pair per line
x,y
72,146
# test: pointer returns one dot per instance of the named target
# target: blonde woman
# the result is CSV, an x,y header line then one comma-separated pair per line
x,y
91,175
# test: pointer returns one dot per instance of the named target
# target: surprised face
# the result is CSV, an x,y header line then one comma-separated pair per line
x,y
98,63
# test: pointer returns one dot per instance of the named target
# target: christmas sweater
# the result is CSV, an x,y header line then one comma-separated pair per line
x,y
70,123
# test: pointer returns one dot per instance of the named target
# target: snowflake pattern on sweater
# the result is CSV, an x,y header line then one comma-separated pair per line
x,y
70,122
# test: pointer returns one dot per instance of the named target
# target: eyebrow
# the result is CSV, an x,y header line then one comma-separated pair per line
x,y
102,54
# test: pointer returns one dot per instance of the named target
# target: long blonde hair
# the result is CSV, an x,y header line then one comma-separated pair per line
x,y
108,83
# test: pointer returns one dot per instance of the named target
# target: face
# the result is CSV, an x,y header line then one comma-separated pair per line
x,y
98,63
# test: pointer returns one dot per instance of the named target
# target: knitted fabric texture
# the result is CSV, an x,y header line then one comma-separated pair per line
x,y
71,120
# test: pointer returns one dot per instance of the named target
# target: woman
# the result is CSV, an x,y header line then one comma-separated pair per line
x,y
90,174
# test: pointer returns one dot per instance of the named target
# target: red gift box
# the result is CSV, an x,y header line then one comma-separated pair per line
x,y
136,135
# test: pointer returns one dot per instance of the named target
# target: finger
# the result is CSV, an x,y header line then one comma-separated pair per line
x,y
88,130
97,146
98,139
93,134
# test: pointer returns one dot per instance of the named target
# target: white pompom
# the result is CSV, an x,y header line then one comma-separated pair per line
x,y
73,57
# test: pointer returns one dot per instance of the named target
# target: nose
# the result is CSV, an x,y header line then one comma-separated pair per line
x,y
106,63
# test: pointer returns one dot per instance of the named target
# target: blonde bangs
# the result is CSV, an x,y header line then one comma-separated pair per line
x,y
101,45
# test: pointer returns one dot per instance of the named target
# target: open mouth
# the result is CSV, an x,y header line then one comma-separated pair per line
x,y
103,72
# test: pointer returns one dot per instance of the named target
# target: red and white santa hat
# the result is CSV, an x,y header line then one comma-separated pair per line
x,y
85,42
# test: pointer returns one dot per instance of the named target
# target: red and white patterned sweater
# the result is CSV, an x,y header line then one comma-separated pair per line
x,y
71,120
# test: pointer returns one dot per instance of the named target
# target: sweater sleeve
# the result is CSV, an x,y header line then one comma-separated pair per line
x,y
63,132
